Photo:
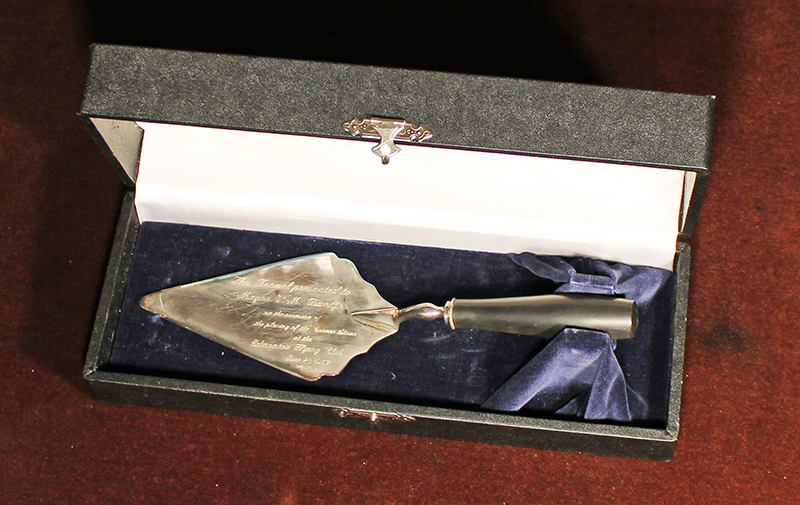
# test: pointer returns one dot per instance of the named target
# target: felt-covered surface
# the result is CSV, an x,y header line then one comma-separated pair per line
x,y
740,410
402,367
424,363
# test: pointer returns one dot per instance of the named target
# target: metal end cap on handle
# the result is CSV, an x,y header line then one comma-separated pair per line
x,y
621,323
634,319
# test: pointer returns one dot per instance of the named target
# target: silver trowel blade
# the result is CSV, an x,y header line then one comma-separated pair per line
x,y
294,315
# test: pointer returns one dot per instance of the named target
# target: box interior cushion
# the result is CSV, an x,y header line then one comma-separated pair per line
x,y
425,363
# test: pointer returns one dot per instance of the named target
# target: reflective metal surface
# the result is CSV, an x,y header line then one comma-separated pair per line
x,y
293,315
387,130
310,316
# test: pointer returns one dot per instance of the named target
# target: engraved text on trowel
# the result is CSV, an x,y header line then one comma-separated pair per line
x,y
303,322
294,315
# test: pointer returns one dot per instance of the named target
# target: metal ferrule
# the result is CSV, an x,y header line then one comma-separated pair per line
x,y
448,314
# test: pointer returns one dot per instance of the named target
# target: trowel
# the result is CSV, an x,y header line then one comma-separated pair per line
x,y
310,316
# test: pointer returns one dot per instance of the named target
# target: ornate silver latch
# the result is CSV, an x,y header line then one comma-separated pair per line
x,y
387,130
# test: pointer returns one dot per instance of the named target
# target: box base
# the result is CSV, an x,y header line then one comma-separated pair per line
x,y
427,412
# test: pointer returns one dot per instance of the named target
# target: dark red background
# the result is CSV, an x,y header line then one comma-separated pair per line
x,y
59,199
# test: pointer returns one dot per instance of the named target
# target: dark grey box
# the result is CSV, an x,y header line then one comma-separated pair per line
x,y
543,119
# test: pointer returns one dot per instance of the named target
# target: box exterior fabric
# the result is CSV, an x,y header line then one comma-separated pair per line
x,y
544,119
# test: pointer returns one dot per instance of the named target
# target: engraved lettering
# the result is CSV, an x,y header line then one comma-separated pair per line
x,y
306,360
249,297
307,349
272,325
330,331
333,351
266,344
287,315
301,288
240,281
287,300
320,304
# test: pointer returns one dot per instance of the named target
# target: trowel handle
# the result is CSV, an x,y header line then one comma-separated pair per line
x,y
546,315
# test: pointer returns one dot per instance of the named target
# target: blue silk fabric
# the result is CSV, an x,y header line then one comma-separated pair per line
x,y
579,374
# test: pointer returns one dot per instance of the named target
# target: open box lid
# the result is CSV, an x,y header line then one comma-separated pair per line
x,y
259,143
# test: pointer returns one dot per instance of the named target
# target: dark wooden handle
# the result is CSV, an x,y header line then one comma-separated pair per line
x,y
545,316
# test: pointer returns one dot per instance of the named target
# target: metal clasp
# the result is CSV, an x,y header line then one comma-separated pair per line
x,y
372,416
387,130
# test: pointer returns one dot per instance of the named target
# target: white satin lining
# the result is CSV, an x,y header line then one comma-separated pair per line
x,y
425,196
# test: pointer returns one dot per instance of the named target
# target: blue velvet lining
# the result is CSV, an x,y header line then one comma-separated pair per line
x,y
579,374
